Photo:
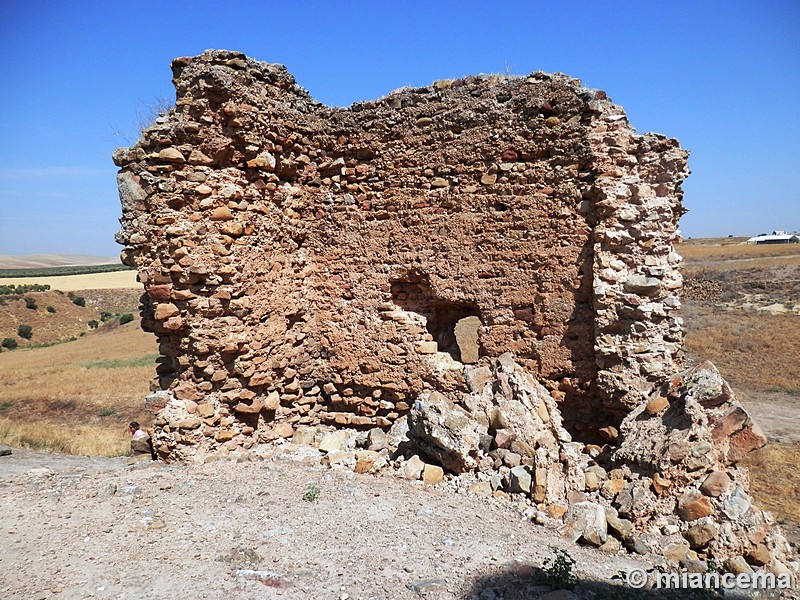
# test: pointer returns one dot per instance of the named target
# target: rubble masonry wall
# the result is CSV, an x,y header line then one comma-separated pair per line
x,y
306,264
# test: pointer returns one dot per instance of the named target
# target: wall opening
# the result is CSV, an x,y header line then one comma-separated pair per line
x,y
454,326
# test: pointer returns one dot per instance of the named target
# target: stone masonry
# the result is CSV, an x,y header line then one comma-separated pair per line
x,y
483,269
308,264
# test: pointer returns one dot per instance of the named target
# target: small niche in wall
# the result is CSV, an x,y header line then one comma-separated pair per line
x,y
454,326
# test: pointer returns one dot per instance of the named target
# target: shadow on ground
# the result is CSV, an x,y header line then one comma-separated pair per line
x,y
524,582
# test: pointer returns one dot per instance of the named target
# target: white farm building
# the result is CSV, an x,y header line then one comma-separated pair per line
x,y
776,237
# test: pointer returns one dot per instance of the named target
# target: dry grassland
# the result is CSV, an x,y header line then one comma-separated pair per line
x,y
753,351
720,260
775,480
79,396
756,352
695,252
68,320
74,283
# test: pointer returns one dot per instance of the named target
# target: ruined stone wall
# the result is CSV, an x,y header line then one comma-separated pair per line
x,y
305,264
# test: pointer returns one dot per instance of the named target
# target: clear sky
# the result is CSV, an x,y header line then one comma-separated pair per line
x,y
76,76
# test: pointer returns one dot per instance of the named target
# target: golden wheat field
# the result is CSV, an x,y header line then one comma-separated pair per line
x,y
75,283
77,397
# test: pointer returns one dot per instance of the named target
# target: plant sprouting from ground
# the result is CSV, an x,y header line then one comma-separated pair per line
x,y
311,494
557,570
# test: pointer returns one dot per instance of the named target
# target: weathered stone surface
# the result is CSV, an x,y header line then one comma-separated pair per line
x,y
586,521
413,468
656,405
466,334
737,564
622,528
172,155
335,440
693,506
715,484
446,431
699,536
284,164
521,480
432,474
165,311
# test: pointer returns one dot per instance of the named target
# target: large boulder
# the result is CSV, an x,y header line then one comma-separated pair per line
x,y
445,431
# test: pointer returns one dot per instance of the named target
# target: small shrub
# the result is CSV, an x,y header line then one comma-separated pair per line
x,y
107,412
93,324
51,309
557,570
311,494
126,318
30,303
105,316
9,343
25,331
79,300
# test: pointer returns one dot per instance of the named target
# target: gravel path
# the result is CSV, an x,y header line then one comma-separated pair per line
x,y
75,527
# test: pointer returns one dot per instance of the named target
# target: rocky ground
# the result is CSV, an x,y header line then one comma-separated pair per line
x,y
284,526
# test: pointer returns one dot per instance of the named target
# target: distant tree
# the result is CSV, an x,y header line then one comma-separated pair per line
x,y
79,300
30,303
126,318
93,324
25,331
9,343
51,309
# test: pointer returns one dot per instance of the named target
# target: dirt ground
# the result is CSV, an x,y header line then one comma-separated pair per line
x,y
75,527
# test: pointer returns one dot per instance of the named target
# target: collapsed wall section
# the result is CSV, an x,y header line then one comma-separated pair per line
x,y
306,264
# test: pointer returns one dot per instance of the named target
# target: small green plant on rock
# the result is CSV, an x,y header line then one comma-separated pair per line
x,y
79,300
25,331
557,570
51,309
126,318
30,303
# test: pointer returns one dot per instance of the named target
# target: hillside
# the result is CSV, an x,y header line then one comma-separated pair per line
x,y
55,316
78,396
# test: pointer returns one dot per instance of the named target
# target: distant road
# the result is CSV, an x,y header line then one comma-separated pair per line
x,y
73,283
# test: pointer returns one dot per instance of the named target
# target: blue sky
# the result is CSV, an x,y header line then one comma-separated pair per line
x,y
76,76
